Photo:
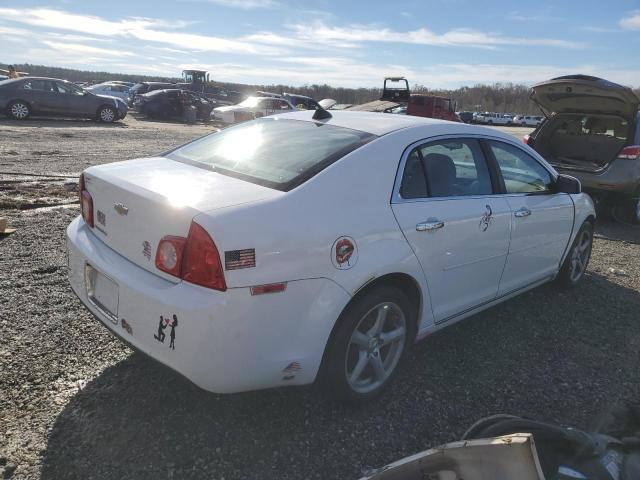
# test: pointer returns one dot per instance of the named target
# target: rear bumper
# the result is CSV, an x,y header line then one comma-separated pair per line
x,y
621,177
224,342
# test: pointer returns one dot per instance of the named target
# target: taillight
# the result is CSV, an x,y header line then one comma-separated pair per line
x,y
527,140
194,259
169,255
86,202
630,153
201,264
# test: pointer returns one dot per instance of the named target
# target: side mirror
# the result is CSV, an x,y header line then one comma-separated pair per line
x,y
567,184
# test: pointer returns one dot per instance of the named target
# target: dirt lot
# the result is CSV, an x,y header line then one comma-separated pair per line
x,y
75,403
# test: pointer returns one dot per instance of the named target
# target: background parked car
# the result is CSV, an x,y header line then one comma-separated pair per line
x,y
171,103
146,87
252,107
592,131
22,97
466,117
527,120
110,89
301,102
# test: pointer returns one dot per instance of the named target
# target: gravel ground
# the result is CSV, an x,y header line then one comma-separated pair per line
x,y
75,403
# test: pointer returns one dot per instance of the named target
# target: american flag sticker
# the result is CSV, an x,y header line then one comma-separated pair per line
x,y
235,259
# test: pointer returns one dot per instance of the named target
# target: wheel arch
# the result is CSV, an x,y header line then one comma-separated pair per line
x,y
14,100
103,105
405,282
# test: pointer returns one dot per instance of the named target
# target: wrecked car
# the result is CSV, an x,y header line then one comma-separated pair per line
x,y
320,245
22,97
592,131
172,103
252,107
146,87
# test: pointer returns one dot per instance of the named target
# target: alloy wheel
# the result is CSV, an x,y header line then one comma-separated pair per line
x,y
580,256
19,110
375,347
107,115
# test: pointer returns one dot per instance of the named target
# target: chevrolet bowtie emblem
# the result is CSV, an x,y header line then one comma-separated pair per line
x,y
121,208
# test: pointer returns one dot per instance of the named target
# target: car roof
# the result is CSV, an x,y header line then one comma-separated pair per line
x,y
384,123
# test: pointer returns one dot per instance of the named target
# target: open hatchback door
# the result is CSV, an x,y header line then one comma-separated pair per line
x,y
585,94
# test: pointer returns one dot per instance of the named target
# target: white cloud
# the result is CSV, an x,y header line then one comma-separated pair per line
x,y
245,4
140,28
459,37
76,48
632,22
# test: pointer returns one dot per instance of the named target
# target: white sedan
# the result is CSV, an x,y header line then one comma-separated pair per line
x,y
292,248
252,107
111,89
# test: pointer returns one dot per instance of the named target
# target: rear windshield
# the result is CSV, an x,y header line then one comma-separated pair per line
x,y
272,152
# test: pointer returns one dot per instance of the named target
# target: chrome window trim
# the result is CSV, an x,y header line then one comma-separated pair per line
x,y
397,198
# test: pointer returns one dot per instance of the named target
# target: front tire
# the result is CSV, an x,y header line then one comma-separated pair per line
x,y
19,110
575,265
107,114
372,337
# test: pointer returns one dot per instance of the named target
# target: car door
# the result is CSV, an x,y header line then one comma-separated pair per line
x,y
457,223
542,220
39,94
72,100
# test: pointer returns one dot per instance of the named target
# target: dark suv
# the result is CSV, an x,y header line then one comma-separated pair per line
x,y
592,132
22,97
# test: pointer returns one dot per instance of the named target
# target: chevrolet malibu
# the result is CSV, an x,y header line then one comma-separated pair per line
x,y
312,245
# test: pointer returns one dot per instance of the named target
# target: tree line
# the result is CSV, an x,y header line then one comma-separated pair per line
x,y
497,97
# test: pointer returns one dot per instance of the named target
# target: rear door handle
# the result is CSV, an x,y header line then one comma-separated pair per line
x,y
522,212
430,225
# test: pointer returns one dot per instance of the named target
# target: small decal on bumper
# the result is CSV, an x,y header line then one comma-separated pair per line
x,y
162,325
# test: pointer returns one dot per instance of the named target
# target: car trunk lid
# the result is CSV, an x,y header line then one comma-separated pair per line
x,y
585,94
136,203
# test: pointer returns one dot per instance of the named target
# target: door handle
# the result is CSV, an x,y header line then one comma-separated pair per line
x,y
522,212
429,225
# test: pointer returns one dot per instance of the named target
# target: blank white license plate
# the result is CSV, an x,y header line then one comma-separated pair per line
x,y
102,292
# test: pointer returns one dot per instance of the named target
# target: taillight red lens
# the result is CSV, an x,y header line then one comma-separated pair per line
x,y
86,202
630,153
526,139
194,259
169,255
201,264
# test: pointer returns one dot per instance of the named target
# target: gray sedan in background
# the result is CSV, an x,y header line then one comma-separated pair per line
x,y
23,97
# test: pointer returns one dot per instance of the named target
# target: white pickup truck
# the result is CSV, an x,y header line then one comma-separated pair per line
x,y
489,118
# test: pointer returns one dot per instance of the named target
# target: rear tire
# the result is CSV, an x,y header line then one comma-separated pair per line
x,y
107,114
371,339
19,110
575,265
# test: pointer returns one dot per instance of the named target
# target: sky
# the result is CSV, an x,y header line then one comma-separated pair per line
x,y
436,43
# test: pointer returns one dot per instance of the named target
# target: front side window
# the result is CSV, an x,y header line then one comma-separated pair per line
x,y
456,168
273,152
68,89
521,172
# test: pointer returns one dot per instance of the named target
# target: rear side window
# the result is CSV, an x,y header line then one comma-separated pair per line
x,y
521,172
456,168
273,152
414,182
39,85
